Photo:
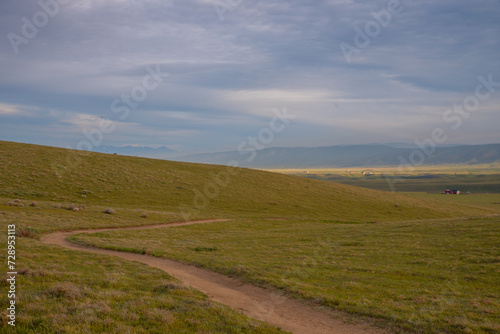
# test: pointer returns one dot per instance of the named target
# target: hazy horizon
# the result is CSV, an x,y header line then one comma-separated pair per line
x,y
179,153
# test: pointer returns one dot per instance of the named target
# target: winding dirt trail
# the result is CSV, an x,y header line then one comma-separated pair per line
x,y
255,302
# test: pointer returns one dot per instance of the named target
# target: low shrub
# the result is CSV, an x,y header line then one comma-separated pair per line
x,y
110,211
28,232
16,202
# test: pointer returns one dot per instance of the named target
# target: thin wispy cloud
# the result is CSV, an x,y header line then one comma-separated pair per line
x,y
226,75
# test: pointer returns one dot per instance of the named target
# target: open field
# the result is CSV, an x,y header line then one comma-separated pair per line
x,y
257,302
490,201
62,291
437,276
341,247
434,179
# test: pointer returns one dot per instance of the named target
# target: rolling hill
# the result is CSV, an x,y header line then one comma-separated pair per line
x,y
310,239
196,190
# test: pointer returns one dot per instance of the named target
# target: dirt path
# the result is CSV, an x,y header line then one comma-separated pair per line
x,y
255,302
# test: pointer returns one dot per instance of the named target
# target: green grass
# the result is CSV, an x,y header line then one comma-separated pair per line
x,y
63,291
332,244
53,216
193,191
490,201
437,276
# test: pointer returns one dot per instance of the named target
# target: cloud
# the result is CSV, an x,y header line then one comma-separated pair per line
x,y
12,109
227,76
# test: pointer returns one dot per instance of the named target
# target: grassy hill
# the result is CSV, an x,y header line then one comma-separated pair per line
x,y
194,190
317,247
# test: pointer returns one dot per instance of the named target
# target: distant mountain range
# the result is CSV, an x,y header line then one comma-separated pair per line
x,y
138,151
352,156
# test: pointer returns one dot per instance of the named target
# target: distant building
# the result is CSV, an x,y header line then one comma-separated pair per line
x,y
452,191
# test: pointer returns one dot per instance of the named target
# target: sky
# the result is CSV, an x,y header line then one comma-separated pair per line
x,y
211,75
